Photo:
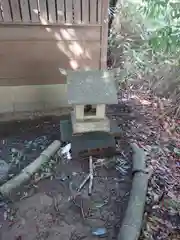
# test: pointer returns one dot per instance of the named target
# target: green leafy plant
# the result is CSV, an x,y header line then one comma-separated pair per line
x,y
144,42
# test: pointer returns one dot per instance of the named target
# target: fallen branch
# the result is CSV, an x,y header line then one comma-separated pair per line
x,y
28,171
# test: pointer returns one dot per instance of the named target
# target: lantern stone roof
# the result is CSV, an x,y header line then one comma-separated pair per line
x,y
91,87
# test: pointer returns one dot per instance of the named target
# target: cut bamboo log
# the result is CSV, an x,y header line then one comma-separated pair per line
x,y
132,222
28,171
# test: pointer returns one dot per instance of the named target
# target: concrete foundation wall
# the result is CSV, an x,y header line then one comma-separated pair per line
x,y
32,98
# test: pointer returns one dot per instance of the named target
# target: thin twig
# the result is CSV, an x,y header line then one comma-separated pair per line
x,y
91,174
83,183
82,210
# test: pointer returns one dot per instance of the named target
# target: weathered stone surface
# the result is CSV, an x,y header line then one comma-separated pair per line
x,y
66,129
90,125
91,87
92,140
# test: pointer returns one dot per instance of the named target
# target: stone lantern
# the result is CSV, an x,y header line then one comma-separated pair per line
x,y
88,93
88,128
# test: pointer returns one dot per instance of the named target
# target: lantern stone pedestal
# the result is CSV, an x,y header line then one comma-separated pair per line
x,y
88,128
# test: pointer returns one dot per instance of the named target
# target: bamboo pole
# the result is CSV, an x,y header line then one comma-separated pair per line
x,y
131,225
28,171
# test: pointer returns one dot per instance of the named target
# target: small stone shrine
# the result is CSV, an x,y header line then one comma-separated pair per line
x,y
88,93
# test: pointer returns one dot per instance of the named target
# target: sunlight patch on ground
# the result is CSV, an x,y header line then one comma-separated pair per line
x,y
141,100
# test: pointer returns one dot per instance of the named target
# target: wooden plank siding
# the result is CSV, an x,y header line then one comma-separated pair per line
x,y
39,41
99,17
43,11
93,11
1,17
85,11
77,11
1,13
16,13
52,11
60,11
104,33
42,54
25,11
6,11
34,11
69,11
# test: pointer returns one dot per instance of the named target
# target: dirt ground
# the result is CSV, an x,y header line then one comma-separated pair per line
x,y
51,208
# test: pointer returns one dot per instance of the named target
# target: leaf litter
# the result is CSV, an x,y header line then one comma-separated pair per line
x,y
159,136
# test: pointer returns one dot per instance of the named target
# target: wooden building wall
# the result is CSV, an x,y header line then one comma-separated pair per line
x,y
39,41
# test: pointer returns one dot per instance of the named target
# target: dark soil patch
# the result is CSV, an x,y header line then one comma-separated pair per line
x,y
52,209
27,139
